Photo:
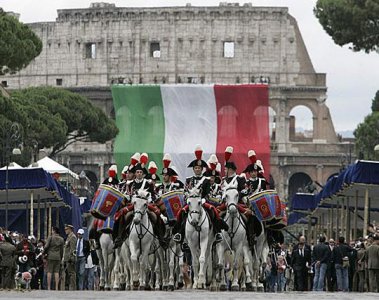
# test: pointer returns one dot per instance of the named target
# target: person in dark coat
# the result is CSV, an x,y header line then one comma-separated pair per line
x,y
301,262
331,277
26,255
320,260
342,264
7,263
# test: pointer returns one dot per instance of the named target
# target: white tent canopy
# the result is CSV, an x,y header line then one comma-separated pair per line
x,y
52,167
12,166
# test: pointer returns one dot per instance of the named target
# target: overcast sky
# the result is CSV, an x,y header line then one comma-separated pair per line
x,y
352,78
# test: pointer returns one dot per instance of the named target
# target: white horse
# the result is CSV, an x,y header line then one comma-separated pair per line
x,y
126,264
200,237
261,250
174,254
106,260
104,251
140,239
235,240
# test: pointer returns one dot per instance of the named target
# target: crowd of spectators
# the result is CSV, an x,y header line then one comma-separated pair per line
x,y
330,265
51,264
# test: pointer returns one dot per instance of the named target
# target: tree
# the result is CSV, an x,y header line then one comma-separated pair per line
x,y
19,45
55,118
353,22
375,102
367,133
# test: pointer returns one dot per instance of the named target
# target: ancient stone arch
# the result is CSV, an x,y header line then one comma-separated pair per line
x,y
269,49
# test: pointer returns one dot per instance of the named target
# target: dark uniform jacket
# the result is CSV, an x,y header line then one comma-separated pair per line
x,y
112,182
168,187
200,182
255,185
143,184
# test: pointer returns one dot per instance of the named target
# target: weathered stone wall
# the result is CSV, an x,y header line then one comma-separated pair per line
x,y
86,50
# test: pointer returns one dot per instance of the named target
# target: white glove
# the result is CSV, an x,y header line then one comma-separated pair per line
x,y
164,218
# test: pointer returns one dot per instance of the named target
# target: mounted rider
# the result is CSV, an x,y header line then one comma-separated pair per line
x,y
214,175
199,181
243,205
169,183
256,183
112,179
140,183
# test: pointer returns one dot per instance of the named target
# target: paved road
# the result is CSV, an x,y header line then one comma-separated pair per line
x,y
187,294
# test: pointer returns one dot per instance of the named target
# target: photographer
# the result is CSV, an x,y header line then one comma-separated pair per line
x,y
26,255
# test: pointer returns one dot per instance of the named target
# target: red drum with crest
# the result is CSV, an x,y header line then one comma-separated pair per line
x,y
267,205
173,202
106,202
105,226
215,201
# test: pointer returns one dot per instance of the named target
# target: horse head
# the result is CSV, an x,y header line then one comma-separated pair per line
x,y
230,196
195,208
140,201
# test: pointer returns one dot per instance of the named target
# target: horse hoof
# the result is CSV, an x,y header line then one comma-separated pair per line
x,y
141,288
148,288
213,288
249,287
128,288
223,287
180,285
235,288
108,289
101,288
254,289
116,289
171,287
243,289
122,286
260,289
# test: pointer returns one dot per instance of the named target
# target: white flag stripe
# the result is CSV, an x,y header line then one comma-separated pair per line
x,y
190,118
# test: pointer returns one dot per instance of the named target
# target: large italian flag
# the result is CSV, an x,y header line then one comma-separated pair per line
x,y
175,118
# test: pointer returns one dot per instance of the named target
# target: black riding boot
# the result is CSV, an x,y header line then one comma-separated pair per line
x,y
179,229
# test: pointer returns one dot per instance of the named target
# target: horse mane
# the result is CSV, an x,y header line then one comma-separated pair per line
x,y
142,194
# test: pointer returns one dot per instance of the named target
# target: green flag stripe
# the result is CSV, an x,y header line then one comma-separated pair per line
x,y
140,120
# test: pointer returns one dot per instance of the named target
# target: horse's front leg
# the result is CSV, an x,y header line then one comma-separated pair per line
x,y
247,260
238,252
135,253
144,268
202,261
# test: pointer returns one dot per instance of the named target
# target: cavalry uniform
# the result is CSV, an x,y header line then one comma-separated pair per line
x,y
112,179
203,184
131,188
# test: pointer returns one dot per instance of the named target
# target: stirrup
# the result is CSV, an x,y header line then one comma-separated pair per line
x,y
177,238
218,237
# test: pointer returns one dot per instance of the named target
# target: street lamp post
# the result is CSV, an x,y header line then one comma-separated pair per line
x,y
12,136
